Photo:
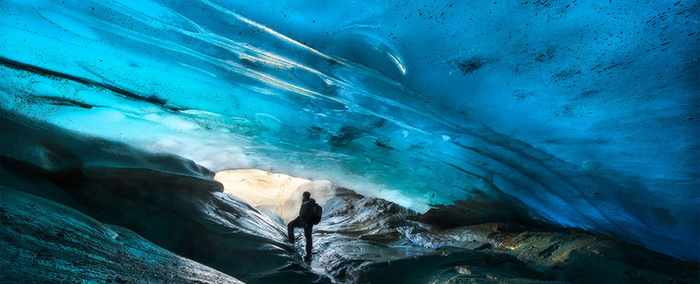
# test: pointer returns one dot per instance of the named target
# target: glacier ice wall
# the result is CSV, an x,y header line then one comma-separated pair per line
x,y
583,114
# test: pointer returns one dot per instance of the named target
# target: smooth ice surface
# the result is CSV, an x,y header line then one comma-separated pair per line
x,y
584,113
45,242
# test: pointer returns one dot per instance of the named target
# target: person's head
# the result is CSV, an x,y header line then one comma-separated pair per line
x,y
306,195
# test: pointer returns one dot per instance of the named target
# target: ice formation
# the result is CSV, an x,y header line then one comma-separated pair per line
x,y
579,114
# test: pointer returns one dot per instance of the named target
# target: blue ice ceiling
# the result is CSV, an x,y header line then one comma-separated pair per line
x,y
585,114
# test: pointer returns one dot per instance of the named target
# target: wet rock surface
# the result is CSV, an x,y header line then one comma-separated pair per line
x,y
368,240
578,257
357,230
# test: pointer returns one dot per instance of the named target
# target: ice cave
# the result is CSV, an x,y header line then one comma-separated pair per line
x,y
472,141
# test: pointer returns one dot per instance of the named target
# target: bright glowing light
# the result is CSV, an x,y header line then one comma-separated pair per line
x,y
278,193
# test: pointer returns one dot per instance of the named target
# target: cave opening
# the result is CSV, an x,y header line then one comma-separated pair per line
x,y
274,192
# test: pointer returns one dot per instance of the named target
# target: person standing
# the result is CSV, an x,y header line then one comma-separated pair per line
x,y
304,220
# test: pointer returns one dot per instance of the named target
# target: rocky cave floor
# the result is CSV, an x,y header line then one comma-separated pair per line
x,y
371,240
360,240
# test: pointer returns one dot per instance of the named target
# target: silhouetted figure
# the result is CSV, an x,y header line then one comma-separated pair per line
x,y
309,215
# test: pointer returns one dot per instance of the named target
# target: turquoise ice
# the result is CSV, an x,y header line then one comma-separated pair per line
x,y
582,115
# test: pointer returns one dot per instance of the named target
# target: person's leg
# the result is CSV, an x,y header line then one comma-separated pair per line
x,y
296,223
309,245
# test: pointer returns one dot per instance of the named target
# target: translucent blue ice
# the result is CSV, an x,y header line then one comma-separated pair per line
x,y
586,114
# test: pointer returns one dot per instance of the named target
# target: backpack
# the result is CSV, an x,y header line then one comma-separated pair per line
x,y
316,216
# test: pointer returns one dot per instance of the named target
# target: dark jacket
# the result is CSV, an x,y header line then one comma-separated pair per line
x,y
307,209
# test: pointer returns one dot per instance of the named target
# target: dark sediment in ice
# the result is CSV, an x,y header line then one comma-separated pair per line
x,y
480,208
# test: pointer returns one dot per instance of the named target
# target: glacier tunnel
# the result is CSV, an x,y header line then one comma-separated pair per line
x,y
159,141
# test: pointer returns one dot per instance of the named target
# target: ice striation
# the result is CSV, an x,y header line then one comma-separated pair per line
x,y
564,113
